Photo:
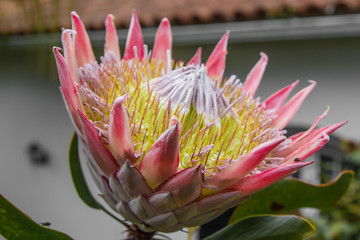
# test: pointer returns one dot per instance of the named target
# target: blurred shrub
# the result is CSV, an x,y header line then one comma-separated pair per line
x,y
343,221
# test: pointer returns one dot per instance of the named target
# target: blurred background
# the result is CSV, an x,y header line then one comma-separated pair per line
x,y
314,39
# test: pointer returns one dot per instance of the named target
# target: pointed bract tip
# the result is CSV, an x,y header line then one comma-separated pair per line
x,y
312,82
174,121
325,137
273,142
109,20
331,128
165,21
111,38
294,84
216,61
175,127
121,99
134,40
74,13
270,145
264,57
225,38
163,41
134,15
343,123
75,17
196,59
306,91
276,100
68,31
76,21
311,86
255,75
57,49
302,164
82,116
110,17
293,166
83,50
335,126
288,110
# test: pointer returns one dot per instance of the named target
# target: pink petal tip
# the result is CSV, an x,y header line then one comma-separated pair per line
x,y
196,59
134,43
286,112
216,61
276,100
111,39
163,40
83,50
253,79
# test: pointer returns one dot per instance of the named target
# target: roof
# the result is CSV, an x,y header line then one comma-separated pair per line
x,y
30,16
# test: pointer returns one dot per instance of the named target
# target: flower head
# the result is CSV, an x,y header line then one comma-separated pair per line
x,y
170,146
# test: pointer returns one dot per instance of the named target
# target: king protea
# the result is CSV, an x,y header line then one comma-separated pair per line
x,y
174,144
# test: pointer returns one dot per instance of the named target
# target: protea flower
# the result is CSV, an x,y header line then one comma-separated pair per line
x,y
173,145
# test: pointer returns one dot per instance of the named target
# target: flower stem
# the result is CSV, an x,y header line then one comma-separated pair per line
x,y
136,233
117,219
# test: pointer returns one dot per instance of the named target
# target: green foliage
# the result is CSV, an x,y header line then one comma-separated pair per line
x,y
15,225
343,221
291,194
265,227
78,177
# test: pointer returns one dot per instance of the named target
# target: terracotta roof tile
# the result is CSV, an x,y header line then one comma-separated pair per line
x,y
49,15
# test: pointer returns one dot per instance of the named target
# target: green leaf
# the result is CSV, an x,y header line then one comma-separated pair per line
x,y
15,225
292,194
266,227
78,177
